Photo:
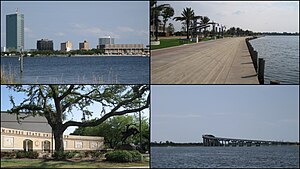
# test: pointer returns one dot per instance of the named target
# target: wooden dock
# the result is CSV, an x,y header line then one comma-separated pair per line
x,y
222,61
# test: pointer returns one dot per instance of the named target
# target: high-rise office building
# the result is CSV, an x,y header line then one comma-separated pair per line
x,y
84,45
44,44
106,40
15,32
66,46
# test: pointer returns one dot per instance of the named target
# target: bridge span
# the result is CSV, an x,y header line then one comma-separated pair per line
x,y
211,140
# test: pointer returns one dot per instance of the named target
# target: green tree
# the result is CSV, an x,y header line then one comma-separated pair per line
x,y
171,29
112,130
55,101
155,12
166,14
187,16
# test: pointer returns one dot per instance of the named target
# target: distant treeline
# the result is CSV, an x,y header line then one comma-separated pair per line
x,y
170,143
279,33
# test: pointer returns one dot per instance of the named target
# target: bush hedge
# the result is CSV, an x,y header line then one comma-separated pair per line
x,y
59,155
8,154
136,156
119,156
27,154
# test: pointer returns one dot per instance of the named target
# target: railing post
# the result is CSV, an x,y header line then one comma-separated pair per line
x,y
261,70
255,56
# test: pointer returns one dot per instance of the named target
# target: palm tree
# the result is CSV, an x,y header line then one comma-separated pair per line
x,y
187,15
205,20
167,13
155,12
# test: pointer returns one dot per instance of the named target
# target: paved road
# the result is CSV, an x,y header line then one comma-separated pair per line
x,y
222,61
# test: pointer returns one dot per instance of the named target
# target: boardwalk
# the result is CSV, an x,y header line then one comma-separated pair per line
x,y
223,61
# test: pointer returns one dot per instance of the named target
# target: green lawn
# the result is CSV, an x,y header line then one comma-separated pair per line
x,y
165,43
39,163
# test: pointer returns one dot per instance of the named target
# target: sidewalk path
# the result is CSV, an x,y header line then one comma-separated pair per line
x,y
222,61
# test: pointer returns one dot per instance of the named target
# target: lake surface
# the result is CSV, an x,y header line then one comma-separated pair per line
x,y
216,157
79,70
281,54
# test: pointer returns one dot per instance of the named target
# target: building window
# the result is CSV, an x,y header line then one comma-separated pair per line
x,y
78,144
8,142
93,145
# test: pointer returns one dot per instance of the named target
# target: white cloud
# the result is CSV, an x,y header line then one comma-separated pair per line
x,y
60,34
125,29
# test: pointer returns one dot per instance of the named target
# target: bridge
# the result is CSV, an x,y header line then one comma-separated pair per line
x,y
211,140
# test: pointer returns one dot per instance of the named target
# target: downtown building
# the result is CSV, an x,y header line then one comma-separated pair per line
x,y
66,46
107,44
35,134
44,44
15,32
84,45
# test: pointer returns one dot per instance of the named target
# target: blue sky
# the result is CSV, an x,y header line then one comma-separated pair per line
x,y
184,113
128,22
262,16
76,115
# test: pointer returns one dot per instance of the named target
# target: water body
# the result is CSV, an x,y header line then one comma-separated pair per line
x,y
79,70
281,54
220,157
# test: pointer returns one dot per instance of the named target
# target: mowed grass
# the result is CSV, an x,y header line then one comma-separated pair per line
x,y
165,43
40,163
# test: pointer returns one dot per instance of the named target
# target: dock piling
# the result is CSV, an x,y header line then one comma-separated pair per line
x,y
261,70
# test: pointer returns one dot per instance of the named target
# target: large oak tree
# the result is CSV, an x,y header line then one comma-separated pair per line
x,y
54,102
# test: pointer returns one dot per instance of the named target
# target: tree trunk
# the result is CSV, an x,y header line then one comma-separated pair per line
x,y
58,138
164,28
187,30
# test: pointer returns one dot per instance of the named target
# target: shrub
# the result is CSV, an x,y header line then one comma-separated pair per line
x,y
27,154
70,154
96,154
119,156
20,154
8,154
136,156
59,155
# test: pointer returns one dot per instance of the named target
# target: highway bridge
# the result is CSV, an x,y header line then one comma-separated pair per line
x,y
211,140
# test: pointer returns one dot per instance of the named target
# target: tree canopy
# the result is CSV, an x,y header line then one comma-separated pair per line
x,y
112,130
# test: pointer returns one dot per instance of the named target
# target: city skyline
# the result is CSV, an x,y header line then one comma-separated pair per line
x,y
79,21
184,113
257,16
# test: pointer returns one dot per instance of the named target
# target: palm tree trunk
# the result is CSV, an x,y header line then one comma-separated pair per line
x,y
164,28
187,29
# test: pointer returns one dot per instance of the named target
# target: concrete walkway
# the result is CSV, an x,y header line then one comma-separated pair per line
x,y
222,61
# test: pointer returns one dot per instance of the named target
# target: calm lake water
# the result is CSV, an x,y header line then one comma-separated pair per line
x,y
282,57
79,70
215,157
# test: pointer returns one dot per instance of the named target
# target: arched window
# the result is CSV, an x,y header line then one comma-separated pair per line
x,y
46,146
28,145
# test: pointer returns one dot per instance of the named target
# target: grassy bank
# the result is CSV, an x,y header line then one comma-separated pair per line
x,y
7,77
165,43
39,163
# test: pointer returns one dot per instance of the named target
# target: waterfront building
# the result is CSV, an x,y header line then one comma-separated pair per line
x,y
122,49
66,46
44,44
35,134
84,45
106,40
15,32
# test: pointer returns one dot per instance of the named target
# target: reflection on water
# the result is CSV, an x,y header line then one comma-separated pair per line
x,y
282,57
232,157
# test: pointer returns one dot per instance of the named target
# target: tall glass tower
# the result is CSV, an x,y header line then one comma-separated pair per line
x,y
15,32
